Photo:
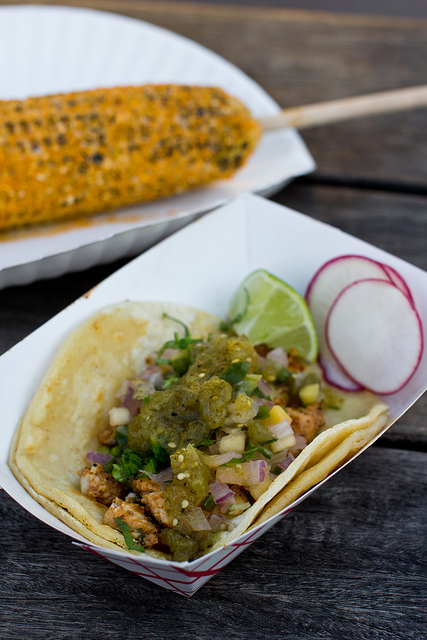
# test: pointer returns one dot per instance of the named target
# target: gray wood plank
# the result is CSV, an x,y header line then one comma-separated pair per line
x,y
348,563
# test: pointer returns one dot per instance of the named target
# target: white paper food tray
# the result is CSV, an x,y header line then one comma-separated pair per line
x,y
201,265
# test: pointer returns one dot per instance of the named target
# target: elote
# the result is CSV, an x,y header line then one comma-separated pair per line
x,y
70,155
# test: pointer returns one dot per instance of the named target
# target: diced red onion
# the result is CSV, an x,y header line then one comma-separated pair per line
x,y
281,429
221,492
223,458
214,449
169,353
279,355
130,403
284,464
217,522
279,457
255,471
98,458
264,388
197,520
150,371
163,476
300,444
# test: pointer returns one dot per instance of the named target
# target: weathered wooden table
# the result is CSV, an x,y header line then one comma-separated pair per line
x,y
351,561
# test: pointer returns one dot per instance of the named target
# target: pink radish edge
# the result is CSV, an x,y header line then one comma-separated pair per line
x,y
398,281
341,380
421,334
326,264
332,372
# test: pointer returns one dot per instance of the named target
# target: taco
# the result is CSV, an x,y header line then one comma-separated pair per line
x,y
155,432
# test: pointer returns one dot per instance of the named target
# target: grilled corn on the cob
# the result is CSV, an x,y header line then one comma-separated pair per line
x,y
70,155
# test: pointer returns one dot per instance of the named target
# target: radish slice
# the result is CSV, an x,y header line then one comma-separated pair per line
x,y
325,286
375,334
398,281
334,375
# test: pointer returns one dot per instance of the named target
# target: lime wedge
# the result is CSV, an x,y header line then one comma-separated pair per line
x,y
267,310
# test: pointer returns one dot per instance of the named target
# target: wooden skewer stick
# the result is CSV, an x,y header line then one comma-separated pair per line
x,y
336,110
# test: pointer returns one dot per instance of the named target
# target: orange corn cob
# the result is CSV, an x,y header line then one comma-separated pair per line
x,y
71,155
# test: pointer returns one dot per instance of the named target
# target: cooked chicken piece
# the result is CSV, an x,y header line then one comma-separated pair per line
x,y
156,504
295,364
152,496
307,420
145,485
108,437
134,516
98,484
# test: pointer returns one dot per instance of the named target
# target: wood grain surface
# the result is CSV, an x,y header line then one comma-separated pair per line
x,y
350,562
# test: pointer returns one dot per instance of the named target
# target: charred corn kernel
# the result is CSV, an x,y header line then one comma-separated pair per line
x,y
309,393
71,155
277,414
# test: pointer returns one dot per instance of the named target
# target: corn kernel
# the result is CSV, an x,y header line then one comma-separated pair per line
x,y
277,414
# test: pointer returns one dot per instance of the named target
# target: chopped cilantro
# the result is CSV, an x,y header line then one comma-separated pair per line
x,y
260,394
236,372
177,342
332,406
160,453
207,442
283,374
121,434
249,454
128,465
131,544
108,466
116,451
151,466
170,381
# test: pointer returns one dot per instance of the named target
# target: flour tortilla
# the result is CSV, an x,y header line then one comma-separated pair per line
x,y
71,407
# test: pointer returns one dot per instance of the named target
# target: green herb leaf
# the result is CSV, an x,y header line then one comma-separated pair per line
x,y
170,381
131,544
236,372
128,465
121,434
260,394
249,384
249,454
160,453
177,342
283,375
151,466
207,442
